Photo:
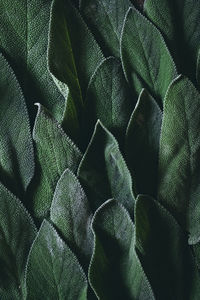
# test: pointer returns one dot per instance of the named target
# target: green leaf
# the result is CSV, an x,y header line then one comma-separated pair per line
x,y
23,40
71,214
73,56
53,271
105,19
144,52
115,270
179,164
142,144
178,20
108,83
198,69
17,233
16,148
164,252
103,172
55,152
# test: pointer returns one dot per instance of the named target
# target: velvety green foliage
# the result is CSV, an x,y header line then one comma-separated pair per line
x,y
53,271
23,38
16,148
179,164
164,252
71,214
144,52
178,20
115,270
17,232
106,18
198,69
73,57
108,84
103,171
142,144
55,153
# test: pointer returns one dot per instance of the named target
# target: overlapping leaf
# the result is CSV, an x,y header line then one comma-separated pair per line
x,y
115,271
16,148
142,144
71,214
73,58
108,99
144,52
23,39
179,164
105,19
17,233
164,252
103,171
55,153
53,271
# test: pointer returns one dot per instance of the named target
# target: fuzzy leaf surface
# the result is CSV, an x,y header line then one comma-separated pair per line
x,y
53,272
115,270
103,172
17,233
179,164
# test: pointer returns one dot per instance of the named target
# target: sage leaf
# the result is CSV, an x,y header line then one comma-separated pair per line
x,y
179,22
55,152
179,165
144,52
164,252
16,147
103,172
108,83
71,214
17,232
53,272
105,19
115,270
142,144
73,56
23,40
198,69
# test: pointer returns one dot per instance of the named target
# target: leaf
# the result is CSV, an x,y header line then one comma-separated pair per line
x,y
73,56
71,214
53,271
144,52
115,270
16,148
23,40
108,99
55,153
142,143
179,165
103,172
17,232
198,69
178,20
105,18
164,252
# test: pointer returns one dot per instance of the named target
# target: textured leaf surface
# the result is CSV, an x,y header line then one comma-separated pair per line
x,y
105,19
142,144
178,20
108,99
17,233
164,252
179,162
144,52
23,38
73,58
103,171
71,214
53,271
55,153
115,271
16,148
